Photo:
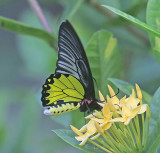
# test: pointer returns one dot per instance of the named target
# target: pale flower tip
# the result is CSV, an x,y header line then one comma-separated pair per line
x,y
47,112
101,96
111,91
139,93
75,130
83,142
95,137
133,93
99,129
143,108
108,98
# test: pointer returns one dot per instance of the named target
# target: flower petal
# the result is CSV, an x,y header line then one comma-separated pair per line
x,y
110,104
139,93
83,142
82,137
95,137
126,111
122,101
127,121
83,128
111,91
135,112
75,130
91,127
142,109
91,115
99,128
106,126
101,96
106,109
118,119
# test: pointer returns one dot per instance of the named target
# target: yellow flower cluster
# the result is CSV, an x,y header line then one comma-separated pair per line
x,y
109,121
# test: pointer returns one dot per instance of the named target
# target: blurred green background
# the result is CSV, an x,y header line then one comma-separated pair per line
x,y
25,63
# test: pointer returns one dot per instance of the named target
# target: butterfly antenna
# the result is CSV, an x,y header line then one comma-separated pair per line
x,y
116,93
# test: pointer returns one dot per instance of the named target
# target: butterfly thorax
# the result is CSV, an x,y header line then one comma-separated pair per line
x,y
89,105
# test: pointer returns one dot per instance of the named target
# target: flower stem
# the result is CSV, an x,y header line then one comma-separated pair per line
x,y
99,146
111,141
136,120
148,118
143,127
135,134
116,131
105,144
131,136
126,136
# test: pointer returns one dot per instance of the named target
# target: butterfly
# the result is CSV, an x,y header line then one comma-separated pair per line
x,y
71,86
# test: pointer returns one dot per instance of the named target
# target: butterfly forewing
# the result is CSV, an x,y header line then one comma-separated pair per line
x,y
72,59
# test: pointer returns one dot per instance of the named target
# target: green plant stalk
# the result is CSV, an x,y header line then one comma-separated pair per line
x,y
20,28
127,139
143,127
105,144
99,146
116,115
115,130
135,134
148,118
136,120
131,135
111,141
114,135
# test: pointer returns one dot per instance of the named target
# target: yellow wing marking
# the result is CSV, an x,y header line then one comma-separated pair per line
x,y
54,88
77,85
68,89
66,82
52,94
49,80
59,84
55,99
67,99
73,93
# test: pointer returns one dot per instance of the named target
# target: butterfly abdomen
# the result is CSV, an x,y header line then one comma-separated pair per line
x,y
61,107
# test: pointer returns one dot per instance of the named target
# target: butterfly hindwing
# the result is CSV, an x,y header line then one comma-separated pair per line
x,y
60,87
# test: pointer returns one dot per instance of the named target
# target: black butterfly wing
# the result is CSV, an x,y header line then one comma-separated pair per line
x,y
72,59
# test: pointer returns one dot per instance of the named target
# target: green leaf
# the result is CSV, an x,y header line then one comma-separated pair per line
x,y
20,28
154,136
104,57
153,19
127,89
132,19
68,136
